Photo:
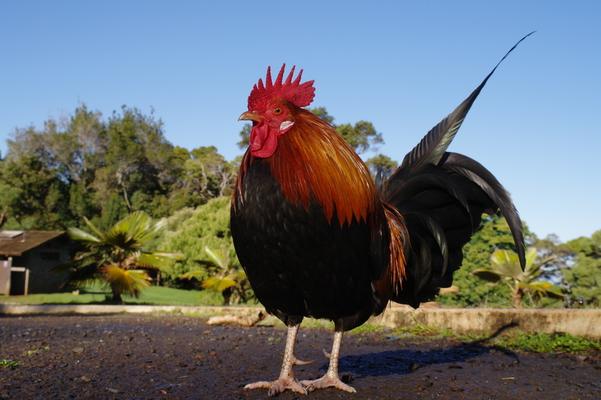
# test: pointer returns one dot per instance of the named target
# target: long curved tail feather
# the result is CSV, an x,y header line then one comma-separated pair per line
x,y
441,197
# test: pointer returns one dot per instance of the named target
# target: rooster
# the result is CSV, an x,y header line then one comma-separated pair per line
x,y
319,238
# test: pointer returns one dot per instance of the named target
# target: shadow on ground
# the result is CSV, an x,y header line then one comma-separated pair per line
x,y
405,361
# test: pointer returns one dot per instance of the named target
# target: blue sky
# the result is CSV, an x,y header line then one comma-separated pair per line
x,y
401,65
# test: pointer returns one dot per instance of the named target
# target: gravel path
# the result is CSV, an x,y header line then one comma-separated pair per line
x,y
173,357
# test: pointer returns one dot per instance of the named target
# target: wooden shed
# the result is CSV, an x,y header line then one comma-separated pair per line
x,y
28,259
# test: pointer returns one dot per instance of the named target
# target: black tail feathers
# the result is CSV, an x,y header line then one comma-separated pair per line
x,y
442,196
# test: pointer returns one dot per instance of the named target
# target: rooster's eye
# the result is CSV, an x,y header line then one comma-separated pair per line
x,y
277,111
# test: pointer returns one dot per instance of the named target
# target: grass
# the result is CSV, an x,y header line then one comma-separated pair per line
x,y
422,331
153,295
310,323
548,343
511,340
6,363
367,328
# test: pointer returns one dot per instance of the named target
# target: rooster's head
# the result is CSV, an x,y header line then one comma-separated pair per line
x,y
272,108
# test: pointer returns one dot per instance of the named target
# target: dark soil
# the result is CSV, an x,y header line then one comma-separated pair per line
x,y
172,357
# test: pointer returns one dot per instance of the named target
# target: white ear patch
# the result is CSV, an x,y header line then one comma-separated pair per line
x,y
284,126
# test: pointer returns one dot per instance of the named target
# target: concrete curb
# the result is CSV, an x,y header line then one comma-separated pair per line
x,y
96,309
472,320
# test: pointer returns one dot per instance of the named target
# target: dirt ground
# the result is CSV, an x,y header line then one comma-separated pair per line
x,y
173,357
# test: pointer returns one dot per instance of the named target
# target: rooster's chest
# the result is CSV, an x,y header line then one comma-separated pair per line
x,y
296,260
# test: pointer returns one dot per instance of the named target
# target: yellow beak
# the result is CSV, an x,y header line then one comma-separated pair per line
x,y
249,116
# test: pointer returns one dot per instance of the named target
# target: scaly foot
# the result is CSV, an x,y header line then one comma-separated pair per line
x,y
278,386
328,381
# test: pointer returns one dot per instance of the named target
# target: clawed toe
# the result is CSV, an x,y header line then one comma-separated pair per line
x,y
327,382
278,386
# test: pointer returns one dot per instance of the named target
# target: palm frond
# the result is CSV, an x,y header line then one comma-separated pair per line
x,y
197,274
130,282
128,231
542,288
218,284
506,263
94,228
82,236
488,274
218,259
160,261
118,255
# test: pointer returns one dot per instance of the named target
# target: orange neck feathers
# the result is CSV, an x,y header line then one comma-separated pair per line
x,y
313,162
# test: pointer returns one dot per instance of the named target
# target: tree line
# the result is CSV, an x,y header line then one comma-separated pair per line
x,y
85,165
103,169
88,167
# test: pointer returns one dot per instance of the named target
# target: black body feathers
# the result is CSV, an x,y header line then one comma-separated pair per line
x,y
299,263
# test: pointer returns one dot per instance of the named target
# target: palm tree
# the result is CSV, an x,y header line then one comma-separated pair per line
x,y
226,276
119,256
505,266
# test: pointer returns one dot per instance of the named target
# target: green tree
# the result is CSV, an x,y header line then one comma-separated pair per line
x,y
140,168
584,277
206,174
323,114
60,159
471,292
84,166
558,253
362,135
9,195
134,142
505,267
244,136
32,195
381,166
226,277
120,255
192,232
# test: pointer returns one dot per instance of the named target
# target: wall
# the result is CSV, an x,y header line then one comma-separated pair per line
x,y
41,262
579,322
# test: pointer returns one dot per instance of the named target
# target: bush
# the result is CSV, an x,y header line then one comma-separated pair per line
x,y
190,232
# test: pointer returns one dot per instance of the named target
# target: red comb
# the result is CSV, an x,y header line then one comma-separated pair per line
x,y
299,94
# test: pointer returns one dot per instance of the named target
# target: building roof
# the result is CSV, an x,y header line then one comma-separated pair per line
x,y
15,243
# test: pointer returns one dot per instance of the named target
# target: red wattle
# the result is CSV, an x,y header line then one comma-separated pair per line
x,y
263,141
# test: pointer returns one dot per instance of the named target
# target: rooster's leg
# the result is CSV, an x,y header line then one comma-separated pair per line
x,y
286,380
331,378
